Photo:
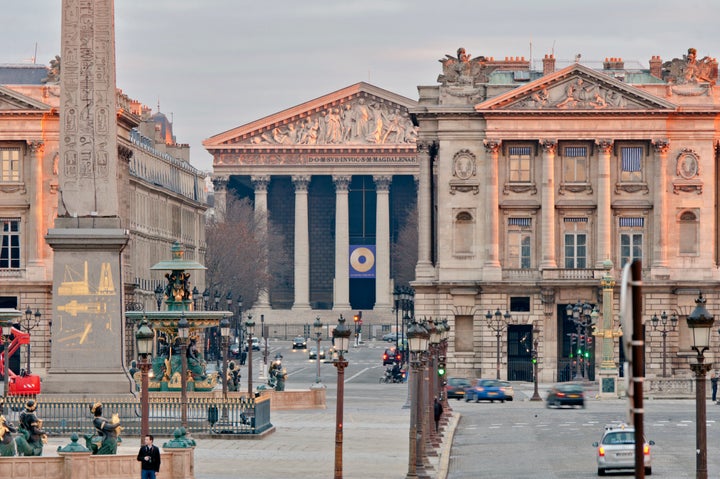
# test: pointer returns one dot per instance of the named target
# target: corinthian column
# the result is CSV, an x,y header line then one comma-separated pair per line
x,y
220,195
659,261
260,184
341,300
604,219
492,211
424,268
548,204
35,223
382,243
302,244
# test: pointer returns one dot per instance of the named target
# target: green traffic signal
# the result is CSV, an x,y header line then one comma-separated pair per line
x,y
441,370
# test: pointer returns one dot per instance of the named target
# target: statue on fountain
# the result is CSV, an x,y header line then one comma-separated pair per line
x,y
31,439
7,445
107,433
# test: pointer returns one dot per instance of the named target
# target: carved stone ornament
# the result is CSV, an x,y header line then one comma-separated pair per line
x,y
461,70
687,166
690,70
576,94
632,188
464,165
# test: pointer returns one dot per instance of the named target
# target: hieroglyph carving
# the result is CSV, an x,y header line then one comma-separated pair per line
x,y
364,121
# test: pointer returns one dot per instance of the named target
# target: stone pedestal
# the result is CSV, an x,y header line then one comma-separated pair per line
x,y
608,384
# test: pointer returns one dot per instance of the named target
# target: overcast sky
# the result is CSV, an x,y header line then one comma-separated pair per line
x,y
217,64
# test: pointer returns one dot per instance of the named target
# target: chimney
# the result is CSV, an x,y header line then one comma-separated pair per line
x,y
548,64
656,66
614,63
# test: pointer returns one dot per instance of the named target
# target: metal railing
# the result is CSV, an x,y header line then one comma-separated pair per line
x,y
62,416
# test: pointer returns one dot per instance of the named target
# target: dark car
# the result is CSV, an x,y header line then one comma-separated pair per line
x,y
455,387
566,394
391,356
485,390
299,342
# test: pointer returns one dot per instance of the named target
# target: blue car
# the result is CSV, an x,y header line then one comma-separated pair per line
x,y
485,390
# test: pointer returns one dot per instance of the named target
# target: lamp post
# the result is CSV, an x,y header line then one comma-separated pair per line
x,y
250,326
183,328
159,295
663,321
534,356
417,343
498,322
341,338
224,334
206,299
195,298
6,332
144,339
238,318
396,301
30,322
317,326
700,323
583,315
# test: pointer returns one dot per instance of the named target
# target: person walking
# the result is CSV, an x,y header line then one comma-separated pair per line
x,y
438,410
149,457
714,385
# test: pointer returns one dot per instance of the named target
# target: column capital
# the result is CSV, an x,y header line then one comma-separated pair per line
x,y
341,182
423,146
300,183
605,145
661,145
548,145
124,152
220,182
260,182
36,146
382,182
492,146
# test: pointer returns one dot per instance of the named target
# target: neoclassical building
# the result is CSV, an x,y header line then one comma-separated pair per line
x,y
337,175
162,199
536,187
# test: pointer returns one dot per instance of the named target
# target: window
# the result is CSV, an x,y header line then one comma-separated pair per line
x,y
689,227
576,254
519,164
631,163
463,241
520,304
10,251
575,163
464,334
631,239
519,250
10,164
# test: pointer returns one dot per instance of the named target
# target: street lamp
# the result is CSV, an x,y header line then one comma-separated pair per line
x,y
583,315
498,322
238,318
317,326
534,356
700,323
6,332
396,298
31,321
224,334
183,328
663,320
250,326
144,340
159,295
418,344
341,339
206,299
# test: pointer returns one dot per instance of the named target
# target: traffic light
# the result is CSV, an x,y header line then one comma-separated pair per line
x,y
441,369
534,357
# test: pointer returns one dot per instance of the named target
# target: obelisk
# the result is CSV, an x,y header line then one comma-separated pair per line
x,y
87,240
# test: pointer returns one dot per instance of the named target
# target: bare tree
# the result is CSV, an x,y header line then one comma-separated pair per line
x,y
405,250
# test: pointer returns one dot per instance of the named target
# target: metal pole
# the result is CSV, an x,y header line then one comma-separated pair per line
x,y
225,366
700,369
637,367
414,379
396,326
317,359
183,383
536,395
6,379
420,435
144,398
340,364
497,353
249,360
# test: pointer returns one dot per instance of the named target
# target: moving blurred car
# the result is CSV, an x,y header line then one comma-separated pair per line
x,y
566,394
299,342
255,344
234,350
485,390
392,337
391,356
455,388
508,390
616,449
312,354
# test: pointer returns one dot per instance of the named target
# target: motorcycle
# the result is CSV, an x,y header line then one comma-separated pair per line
x,y
389,377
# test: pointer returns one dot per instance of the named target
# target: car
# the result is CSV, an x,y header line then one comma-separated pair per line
x,y
616,449
485,390
234,350
392,337
391,356
312,354
455,388
255,344
566,394
508,390
299,342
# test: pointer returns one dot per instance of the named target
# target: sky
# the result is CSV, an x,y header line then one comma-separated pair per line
x,y
214,65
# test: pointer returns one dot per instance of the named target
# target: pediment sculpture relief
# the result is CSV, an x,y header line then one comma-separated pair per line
x,y
577,94
690,70
360,122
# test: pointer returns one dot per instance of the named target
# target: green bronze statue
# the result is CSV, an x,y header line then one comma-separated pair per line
x,y
7,445
31,437
105,439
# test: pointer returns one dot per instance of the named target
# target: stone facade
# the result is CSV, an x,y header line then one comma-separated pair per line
x,y
529,181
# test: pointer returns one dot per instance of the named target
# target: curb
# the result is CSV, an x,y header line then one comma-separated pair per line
x,y
444,461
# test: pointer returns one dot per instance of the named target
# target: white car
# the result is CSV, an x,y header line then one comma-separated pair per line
x,y
616,449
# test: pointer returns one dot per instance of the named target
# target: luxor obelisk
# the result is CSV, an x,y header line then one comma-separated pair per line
x,y
87,240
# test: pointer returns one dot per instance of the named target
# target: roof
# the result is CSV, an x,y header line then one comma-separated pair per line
x,y
22,74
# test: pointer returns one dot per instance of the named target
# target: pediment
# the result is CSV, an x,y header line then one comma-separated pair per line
x,y
11,100
359,115
576,88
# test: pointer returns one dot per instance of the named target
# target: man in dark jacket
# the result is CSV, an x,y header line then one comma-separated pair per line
x,y
438,410
149,457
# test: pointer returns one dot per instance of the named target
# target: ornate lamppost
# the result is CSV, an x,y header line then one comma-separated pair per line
x,y
206,299
534,358
183,328
6,332
396,298
224,334
498,322
417,343
663,321
195,298
30,322
144,340
341,338
238,318
700,323
583,315
250,327
317,326
159,295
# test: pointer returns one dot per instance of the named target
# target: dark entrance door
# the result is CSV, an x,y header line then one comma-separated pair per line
x,y
576,358
520,341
